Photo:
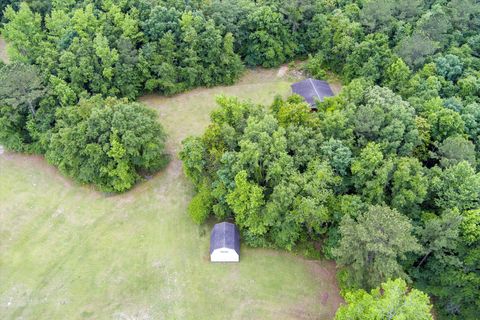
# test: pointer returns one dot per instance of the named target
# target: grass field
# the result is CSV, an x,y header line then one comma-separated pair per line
x,y
70,252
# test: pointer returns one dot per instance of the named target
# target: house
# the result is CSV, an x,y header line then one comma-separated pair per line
x,y
225,243
312,90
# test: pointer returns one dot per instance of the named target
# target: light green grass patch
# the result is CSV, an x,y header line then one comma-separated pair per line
x,y
70,252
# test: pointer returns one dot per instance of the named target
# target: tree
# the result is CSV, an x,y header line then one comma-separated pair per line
x,y
415,49
377,15
456,149
201,205
440,235
397,76
457,186
371,174
247,201
231,65
409,186
108,143
471,117
269,41
445,123
435,24
369,59
338,155
23,33
314,67
21,88
392,300
193,156
372,246
385,118
450,67
451,275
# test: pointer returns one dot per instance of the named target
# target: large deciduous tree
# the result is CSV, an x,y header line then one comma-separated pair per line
x,y
108,143
383,117
21,88
391,300
373,245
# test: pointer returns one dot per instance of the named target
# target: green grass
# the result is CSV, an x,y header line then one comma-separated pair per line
x,y
70,252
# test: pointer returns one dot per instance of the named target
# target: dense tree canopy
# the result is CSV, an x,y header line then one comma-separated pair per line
x,y
108,143
402,139
392,300
373,245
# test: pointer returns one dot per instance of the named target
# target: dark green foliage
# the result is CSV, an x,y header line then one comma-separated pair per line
x,y
106,49
107,143
269,42
404,132
456,149
20,92
372,246
450,67
369,59
260,169
21,88
383,117
452,274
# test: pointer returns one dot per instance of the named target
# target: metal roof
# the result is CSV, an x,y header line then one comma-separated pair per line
x,y
225,235
312,90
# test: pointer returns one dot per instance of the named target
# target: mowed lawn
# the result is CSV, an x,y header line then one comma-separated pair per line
x,y
70,252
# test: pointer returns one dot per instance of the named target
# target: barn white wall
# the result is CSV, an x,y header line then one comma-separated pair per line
x,y
224,255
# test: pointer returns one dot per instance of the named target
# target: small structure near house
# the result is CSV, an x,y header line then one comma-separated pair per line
x,y
312,90
225,243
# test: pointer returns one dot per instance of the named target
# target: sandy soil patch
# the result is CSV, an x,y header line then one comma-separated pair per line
x,y
282,71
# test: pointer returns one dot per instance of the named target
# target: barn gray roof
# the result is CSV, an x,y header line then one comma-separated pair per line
x,y
312,89
225,235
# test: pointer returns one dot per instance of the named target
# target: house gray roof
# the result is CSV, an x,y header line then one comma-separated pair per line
x,y
225,235
312,89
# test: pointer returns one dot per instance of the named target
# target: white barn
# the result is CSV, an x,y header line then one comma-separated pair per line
x,y
225,243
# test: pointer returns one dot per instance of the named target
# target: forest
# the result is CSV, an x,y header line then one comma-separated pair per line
x,y
384,177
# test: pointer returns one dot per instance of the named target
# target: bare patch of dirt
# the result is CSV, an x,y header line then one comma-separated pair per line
x,y
282,71
324,272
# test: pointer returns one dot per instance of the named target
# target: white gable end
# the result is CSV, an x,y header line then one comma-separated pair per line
x,y
224,255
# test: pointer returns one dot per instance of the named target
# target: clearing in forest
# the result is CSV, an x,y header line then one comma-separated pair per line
x,y
70,252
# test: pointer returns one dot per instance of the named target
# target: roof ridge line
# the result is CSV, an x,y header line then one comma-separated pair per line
x,y
313,86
